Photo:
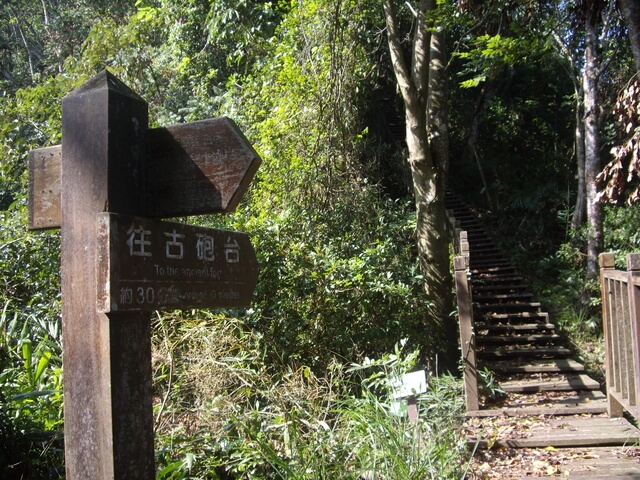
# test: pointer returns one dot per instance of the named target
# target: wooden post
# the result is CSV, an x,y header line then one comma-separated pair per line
x,y
107,357
467,337
110,175
607,263
633,269
464,243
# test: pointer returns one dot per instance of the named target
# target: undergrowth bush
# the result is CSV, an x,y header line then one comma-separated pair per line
x,y
343,282
30,397
30,350
225,414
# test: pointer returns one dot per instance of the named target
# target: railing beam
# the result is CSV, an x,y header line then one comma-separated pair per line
x,y
467,337
609,308
633,269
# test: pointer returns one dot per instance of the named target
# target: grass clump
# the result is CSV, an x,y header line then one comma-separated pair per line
x,y
221,412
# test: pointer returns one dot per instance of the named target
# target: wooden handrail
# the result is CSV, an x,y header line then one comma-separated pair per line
x,y
467,335
460,242
621,323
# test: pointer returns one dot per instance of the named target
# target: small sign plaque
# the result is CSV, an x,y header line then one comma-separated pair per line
x,y
145,264
411,384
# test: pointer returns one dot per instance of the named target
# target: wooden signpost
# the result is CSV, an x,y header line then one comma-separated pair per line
x,y
106,187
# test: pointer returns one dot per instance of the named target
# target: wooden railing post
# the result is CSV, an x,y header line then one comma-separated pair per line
x,y
633,272
464,243
467,337
607,263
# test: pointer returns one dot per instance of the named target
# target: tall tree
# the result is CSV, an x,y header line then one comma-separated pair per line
x,y
631,11
423,88
591,11
620,178
587,46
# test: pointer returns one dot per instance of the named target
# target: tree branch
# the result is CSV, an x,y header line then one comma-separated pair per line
x,y
421,46
397,58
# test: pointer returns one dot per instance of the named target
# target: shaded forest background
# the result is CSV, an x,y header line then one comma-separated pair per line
x,y
331,212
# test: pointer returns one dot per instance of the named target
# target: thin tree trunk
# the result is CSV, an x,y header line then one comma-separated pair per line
x,y
581,194
631,11
592,149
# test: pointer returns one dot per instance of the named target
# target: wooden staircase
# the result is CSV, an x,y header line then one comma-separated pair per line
x,y
515,339
536,376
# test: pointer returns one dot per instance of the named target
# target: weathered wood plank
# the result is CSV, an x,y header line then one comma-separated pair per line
x,y
147,265
555,383
519,339
611,463
527,352
595,408
568,432
555,399
467,337
198,168
515,328
541,366
44,187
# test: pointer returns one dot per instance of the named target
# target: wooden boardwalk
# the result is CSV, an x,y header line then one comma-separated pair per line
x,y
541,399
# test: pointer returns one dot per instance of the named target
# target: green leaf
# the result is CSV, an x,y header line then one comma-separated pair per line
x,y
42,365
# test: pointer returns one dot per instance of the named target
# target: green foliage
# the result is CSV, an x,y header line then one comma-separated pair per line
x,y
489,55
232,417
29,265
324,293
488,384
622,232
31,396
29,119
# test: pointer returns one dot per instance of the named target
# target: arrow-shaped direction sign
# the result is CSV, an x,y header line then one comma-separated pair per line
x,y
190,169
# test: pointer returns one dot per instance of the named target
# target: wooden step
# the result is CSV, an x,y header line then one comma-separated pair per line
x,y
518,339
513,307
489,259
501,298
507,287
497,279
563,432
550,383
547,403
477,246
564,365
474,226
594,463
525,327
535,352
482,271
478,264
484,248
511,318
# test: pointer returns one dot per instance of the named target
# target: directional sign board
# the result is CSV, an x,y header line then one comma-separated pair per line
x,y
190,169
198,168
145,264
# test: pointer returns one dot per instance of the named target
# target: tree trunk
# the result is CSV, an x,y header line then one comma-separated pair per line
x,y
423,90
581,194
631,11
592,148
